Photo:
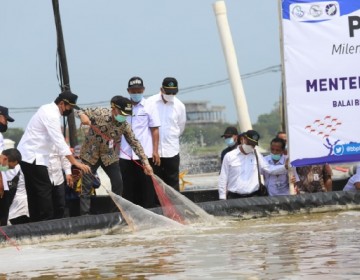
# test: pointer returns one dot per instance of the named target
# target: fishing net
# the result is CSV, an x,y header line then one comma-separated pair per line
x,y
178,207
177,210
139,218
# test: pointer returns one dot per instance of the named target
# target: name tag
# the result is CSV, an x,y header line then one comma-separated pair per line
x,y
316,177
111,144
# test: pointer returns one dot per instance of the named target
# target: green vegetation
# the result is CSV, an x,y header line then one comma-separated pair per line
x,y
206,139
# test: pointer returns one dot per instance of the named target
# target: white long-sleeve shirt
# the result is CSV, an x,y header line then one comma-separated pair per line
x,y
58,164
42,132
173,119
239,173
19,205
144,116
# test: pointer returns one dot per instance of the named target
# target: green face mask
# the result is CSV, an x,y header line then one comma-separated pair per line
x,y
120,118
4,168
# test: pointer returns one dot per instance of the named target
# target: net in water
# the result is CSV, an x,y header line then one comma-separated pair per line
x,y
178,207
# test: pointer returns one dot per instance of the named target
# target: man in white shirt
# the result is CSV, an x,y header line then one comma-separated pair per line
x,y
172,114
41,134
277,184
239,175
144,122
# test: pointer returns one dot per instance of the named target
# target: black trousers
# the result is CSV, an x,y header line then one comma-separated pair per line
x,y
39,191
113,171
138,187
58,197
168,171
4,208
231,195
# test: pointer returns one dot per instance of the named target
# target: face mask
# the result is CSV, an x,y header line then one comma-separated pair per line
x,y
229,142
136,97
4,168
3,127
275,157
67,112
169,97
247,148
120,118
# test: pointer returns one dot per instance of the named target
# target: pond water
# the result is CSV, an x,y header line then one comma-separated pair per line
x,y
302,246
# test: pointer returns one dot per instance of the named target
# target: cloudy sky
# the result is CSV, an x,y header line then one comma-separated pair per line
x,y
107,42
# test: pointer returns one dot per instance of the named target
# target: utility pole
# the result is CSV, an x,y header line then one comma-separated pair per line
x,y
64,73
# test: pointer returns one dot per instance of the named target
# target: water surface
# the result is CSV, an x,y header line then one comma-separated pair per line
x,y
303,246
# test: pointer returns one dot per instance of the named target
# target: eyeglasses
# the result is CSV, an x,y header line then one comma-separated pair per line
x,y
168,93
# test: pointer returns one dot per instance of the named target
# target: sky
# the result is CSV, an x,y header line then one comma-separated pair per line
x,y
108,42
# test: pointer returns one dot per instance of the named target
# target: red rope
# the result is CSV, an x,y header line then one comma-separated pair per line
x,y
9,239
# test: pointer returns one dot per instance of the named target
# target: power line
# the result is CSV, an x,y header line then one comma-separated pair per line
x,y
270,69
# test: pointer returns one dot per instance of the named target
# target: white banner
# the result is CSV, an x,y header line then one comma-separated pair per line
x,y
321,55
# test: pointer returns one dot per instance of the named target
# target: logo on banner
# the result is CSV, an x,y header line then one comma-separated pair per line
x,y
318,11
347,149
315,11
331,9
298,12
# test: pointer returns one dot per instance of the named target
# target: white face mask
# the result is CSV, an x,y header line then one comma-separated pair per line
x,y
168,97
247,148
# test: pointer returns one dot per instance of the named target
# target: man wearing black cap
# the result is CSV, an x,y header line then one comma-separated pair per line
x,y
4,119
41,134
101,145
239,176
230,138
144,122
173,118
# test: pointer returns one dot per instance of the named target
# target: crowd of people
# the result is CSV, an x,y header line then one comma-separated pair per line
x,y
133,139
245,172
143,133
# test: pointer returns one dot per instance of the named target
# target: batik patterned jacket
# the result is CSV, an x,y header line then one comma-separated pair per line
x,y
104,137
312,178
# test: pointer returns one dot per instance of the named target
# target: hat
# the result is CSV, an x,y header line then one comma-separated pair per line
x,y
69,97
135,82
123,104
252,136
170,85
229,131
5,112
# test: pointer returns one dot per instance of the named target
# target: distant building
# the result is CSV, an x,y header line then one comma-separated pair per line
x,y
199,113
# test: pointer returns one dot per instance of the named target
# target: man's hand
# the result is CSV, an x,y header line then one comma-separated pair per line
x,y
84,168
85,119
156,158
69,180
148,170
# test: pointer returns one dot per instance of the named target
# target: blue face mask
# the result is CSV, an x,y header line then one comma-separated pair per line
x,y
229,142
120,118
276,157
136,97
